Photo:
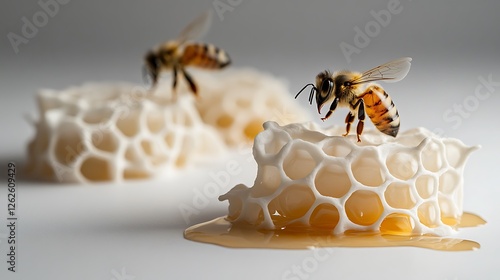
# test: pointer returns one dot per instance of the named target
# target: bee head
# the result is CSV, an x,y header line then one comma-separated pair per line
x,y
324,88
322,91
151,67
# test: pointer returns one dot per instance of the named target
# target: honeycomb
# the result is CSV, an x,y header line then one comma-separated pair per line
x,y
243,102
113,132
306,180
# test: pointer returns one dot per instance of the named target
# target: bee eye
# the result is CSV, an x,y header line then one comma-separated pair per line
x,y
347,84
326,86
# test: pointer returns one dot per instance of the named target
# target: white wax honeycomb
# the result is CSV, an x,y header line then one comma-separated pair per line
x,y
306,180
117,131
112,132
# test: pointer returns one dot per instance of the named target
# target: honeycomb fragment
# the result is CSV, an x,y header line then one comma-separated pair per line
x,y
121,135
245,99
153,131
401,186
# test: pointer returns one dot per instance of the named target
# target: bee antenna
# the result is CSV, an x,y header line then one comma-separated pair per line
x,y
310,95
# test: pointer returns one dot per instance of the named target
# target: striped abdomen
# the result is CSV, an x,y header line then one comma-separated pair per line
x,y
381,110
204,56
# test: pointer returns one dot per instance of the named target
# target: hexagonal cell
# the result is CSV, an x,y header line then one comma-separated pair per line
x,y
402,165
254,214
148,147
253,128
155,121
363,207
448,182
332,180
336,149
298,163
131,154
448,213
224,121
428,214
431,159
292,203
130,173
397,224
399,195
367,170
426,186
105,141
267,181
128,122
69,145
96,116
325,216
170,139
95,169
234,209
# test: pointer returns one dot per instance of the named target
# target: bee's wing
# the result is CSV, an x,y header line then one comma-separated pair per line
x,y
392,71
197,28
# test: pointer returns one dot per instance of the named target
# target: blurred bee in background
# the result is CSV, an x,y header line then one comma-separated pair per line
x,y
350,89
175,55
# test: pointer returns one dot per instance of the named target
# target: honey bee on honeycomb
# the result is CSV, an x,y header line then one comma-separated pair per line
x,y
351,89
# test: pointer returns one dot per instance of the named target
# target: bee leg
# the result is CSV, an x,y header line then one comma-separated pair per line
x,y
361,118
332,108
174,80
190,81
348,120
174,83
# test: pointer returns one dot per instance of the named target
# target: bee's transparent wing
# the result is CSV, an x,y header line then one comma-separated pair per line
x,y
197,28
392,71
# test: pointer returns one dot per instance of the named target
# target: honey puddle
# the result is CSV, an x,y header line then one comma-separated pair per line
x,y
221,232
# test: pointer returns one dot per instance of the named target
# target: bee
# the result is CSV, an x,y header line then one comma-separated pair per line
x,y
175,55
355,91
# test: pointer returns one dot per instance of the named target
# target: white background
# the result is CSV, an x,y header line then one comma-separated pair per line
x,y
93,232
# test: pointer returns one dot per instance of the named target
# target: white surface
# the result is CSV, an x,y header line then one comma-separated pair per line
x,y
87,232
